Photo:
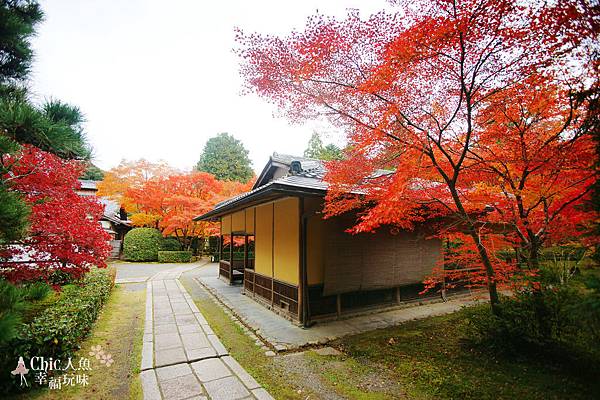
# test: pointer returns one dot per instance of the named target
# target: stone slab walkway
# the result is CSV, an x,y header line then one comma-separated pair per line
x,y
281,334
133,272
182,358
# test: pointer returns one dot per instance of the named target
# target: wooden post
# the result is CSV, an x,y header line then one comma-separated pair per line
x,y
220,248
272,254
245,251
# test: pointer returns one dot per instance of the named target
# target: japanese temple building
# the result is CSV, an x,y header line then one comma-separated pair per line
x,y
276,244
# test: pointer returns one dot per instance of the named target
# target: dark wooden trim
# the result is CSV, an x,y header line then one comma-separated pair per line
x,y
225,270
249,280
304,302
245,248
221,243
280,295
285,296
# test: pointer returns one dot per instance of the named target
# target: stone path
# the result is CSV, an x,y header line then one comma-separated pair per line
x,y
133,272
281,334
182,358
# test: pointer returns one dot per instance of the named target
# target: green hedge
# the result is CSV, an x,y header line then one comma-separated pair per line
x,y
59,330
170,244
142,244
174,256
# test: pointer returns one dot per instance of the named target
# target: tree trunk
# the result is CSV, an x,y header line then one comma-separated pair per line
x,y
533,261
489,271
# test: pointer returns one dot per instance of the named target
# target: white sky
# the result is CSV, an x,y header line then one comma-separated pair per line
x,y
156,79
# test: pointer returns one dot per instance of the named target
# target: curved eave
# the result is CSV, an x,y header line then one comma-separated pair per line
x,y
264,194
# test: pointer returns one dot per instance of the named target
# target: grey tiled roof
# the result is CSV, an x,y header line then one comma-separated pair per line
x,y
111,210
310,178
88,185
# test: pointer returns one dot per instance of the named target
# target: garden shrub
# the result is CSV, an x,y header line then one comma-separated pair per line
x,y
174,256
560,321
170,244
142,244
59,330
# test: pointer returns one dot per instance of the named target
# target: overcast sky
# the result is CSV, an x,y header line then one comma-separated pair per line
x,y
156,79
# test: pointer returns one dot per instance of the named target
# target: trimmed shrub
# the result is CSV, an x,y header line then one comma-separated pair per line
x,y
58,331
170,244
174,256
142,244
562,321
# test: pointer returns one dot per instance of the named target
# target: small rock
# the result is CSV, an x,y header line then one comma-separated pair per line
x,y
270,353
328,351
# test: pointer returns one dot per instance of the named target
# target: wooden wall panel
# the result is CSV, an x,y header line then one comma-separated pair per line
x,y
238,222
226,225
315,254
376,261
286,244
264,240
250,221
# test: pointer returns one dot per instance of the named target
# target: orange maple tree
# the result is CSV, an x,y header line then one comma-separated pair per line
x,y
156,195
444,106
172,202
131,174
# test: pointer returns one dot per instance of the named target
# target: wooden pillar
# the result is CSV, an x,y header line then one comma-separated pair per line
x,y
272,253
245,251
220,248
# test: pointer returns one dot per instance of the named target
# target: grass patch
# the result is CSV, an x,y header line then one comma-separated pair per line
x,y
432,359
119,330
353,379
426,359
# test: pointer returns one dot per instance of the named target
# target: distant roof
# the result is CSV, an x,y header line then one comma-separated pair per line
x,y
307,181
278,160
88,185
112,211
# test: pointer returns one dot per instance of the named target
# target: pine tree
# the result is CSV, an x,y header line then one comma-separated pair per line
x,y
226,158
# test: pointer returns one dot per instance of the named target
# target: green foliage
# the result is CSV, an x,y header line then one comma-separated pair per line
x,y
59,330
174,256
16,300
562,322
54,128
14,216
11,306
142,244
226,158
92,173
17,21
170,244
316,149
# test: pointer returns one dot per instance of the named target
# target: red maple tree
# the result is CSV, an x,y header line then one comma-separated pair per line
x,y
425,96
65,233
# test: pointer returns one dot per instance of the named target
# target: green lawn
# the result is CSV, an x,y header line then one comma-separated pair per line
x,y
119,331
432,359
427,359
